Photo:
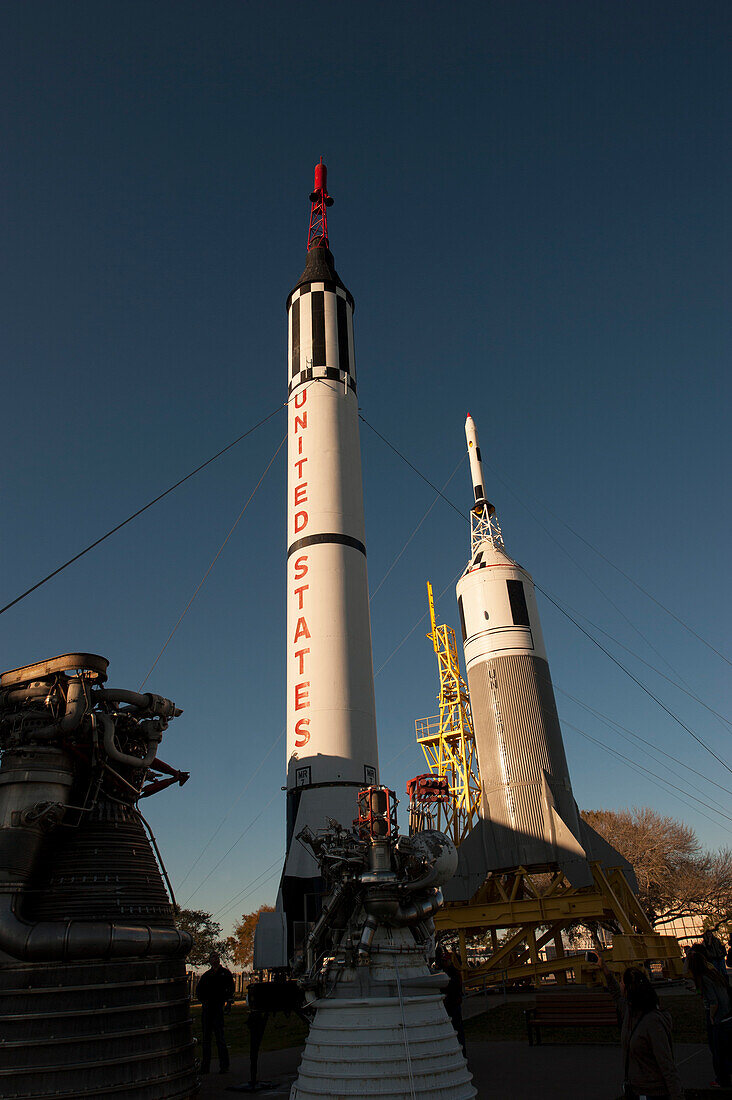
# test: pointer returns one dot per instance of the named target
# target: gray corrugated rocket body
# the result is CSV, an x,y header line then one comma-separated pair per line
x,y
529,817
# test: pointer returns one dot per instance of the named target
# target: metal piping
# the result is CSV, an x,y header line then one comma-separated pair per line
x,y
56,941
154,737
367,936
121,695
388,911
147,702
76,706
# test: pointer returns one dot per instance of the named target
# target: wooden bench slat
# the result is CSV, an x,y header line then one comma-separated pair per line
x,y
559,1010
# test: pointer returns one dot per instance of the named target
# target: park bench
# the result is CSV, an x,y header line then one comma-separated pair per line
x,y
596,1009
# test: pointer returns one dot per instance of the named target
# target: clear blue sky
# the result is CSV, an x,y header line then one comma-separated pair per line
x,y
532,212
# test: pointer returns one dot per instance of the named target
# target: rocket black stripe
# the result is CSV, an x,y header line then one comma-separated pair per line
x,y
299,378
314,540
305,289
342,334
296,337
318,300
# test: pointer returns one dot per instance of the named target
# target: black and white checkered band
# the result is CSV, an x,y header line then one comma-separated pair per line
x,y
475,563
320,336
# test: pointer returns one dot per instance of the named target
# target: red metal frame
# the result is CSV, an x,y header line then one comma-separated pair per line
x,y
428,788
321,200
158,768
377,816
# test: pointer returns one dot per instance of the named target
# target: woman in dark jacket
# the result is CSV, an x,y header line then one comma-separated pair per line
x,y
718,1007
645,1037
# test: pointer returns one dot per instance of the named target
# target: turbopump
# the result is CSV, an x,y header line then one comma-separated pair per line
x,y
373,876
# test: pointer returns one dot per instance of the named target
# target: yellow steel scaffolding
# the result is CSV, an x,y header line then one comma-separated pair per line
x,y
447,738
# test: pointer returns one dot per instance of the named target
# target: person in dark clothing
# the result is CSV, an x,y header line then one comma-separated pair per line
x,y
453,995
717,1000
215,990
715,952
645,1037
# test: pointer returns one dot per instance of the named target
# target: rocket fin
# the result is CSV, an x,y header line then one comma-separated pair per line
x,y
571,856
600,850
477,855
569,853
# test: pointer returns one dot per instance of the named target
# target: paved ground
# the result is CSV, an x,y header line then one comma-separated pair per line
x,y
501,1071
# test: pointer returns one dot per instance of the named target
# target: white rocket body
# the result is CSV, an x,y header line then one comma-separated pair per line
x,y
331,723
529,817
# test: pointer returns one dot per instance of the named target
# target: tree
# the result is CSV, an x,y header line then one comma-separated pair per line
x,y
676,877
206,934
241,944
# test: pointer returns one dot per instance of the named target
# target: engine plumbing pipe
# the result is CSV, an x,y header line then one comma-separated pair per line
x,y
146,701
76,707
154,737
55,941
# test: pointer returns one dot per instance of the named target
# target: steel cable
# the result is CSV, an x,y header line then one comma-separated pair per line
x,y
144,508
213,563
615,661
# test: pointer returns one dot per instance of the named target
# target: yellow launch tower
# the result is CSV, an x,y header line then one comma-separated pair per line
x,y
447,738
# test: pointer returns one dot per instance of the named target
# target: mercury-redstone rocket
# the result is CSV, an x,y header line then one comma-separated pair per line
x,y
331,723
528,815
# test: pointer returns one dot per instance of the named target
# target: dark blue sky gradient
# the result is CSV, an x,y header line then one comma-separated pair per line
x,y
532,213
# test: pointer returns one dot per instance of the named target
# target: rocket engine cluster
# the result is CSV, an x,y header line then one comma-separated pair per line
x,y
93,990
373,877
364,963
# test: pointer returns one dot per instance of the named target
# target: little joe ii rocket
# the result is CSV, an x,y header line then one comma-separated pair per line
x,y
331,722
528,815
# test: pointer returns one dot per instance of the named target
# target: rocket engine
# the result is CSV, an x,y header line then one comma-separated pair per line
x,y
364,965
93,991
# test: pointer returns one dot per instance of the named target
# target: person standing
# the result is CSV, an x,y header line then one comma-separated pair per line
x,y
714,950
718,1008
453,995
215,990
645,1037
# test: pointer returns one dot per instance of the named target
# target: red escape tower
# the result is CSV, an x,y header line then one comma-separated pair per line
x,y
321,200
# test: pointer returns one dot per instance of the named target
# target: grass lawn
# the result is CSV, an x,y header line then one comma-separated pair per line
x,y
282,1031
503,1022
507,1022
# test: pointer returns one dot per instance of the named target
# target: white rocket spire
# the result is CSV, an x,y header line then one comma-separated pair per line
x,y
331,723
480,503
